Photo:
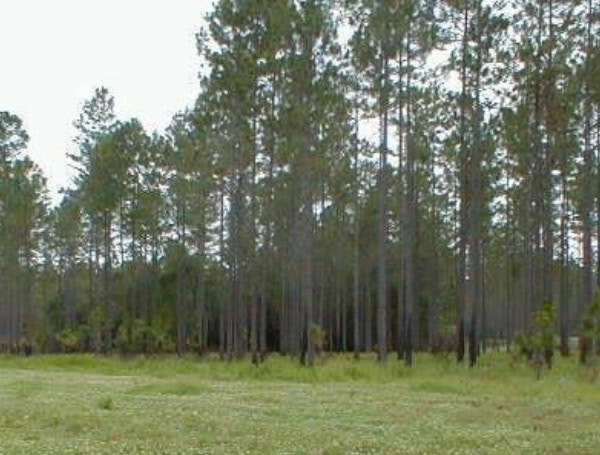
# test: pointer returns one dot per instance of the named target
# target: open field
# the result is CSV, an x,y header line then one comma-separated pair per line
x,y
98,405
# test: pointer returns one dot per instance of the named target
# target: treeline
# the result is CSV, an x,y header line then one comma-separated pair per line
x,y
393,175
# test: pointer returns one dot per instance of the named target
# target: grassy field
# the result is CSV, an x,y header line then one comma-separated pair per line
x,y
99,405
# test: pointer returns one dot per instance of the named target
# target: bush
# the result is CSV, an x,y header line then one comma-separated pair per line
x,y
524,347
538,347
74,339
137,336
318,337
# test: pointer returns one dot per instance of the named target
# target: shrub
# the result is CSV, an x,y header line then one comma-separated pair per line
x,y
523,345
137,336
74,339
106,403
318,337
538,347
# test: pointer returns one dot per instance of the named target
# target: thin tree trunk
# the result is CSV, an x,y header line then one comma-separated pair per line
x,y
410,246
475,250
464,191
564,271
382,213
401,301
356,271
587,205
368,315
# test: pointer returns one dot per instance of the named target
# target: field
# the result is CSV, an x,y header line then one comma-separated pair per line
x,y
103,405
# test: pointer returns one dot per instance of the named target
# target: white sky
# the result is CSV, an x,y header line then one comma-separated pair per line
x,y
53,53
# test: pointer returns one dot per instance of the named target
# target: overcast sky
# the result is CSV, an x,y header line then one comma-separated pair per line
x,y
53,53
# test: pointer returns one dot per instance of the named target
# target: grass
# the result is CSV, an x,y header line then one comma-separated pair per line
x,y
82,404
106,403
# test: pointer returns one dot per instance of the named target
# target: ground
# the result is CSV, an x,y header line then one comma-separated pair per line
x,y
101,405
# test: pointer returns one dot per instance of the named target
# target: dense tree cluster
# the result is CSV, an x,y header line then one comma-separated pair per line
x,y
386,175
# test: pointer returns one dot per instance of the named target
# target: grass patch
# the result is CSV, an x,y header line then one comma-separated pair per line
x,y
436,387
106,403
171,388
59,404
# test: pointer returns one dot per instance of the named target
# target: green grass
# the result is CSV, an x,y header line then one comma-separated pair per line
x,y
82,404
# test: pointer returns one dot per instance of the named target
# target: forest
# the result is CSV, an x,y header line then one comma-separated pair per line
x,y
356,176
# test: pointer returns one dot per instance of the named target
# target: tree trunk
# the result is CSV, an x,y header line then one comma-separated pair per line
x,y
410,246
587,202
356,270
382,215
464,201
564,271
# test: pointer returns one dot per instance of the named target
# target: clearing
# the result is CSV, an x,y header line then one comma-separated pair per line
x,y
82,404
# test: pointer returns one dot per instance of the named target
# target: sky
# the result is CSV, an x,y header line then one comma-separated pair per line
x,y
53,53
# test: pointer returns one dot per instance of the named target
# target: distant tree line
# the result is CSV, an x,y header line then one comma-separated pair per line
x,y
359,175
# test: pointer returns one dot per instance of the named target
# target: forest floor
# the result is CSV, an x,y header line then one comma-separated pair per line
x,y
83,404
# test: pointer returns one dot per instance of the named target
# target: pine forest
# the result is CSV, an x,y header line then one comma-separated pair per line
x,y
355,176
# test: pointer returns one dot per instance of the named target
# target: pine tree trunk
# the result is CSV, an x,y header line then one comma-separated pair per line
x,y
475,241
382,214
356,269
587,202
564,271
410,246
368,315
401,301
464,202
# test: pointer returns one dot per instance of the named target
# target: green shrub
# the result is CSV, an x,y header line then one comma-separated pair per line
x,y
318,337
136,336
106,404
538,347
523,347
74,339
